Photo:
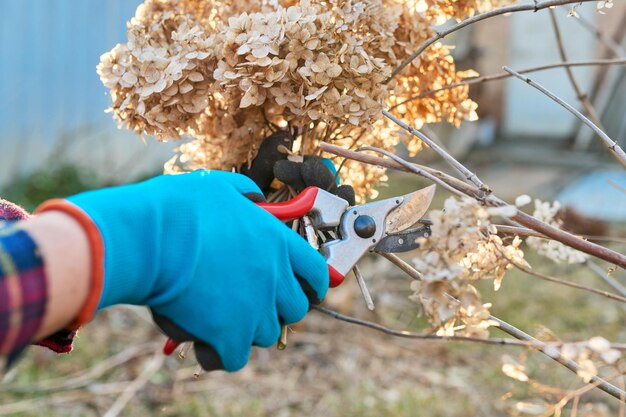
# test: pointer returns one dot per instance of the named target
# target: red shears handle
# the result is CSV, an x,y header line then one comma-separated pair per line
x,y
296,208
292,209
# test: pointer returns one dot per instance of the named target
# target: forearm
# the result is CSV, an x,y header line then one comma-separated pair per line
x,y
65,250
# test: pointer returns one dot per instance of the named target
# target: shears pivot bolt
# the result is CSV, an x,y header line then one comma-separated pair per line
x,y
365,226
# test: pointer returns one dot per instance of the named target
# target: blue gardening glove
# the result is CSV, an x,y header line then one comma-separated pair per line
x,y
213,267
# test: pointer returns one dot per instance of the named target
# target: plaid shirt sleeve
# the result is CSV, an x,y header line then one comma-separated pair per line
x,y
23,292
21,317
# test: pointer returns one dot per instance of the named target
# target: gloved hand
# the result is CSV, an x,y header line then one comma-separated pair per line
x,y
315,171
213,267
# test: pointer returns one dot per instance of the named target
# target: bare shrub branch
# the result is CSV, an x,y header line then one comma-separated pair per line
x,y
582,97
504,75
459,167
491,200
615,150
535,6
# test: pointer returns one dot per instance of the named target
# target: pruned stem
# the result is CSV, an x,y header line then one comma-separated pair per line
x,y
609,143
535,6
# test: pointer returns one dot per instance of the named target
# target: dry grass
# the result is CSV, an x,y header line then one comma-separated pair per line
x,y
329,368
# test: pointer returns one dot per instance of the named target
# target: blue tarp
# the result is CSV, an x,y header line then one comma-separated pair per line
x,y
600,194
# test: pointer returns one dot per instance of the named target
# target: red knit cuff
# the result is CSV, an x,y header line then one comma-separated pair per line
x,y
96,245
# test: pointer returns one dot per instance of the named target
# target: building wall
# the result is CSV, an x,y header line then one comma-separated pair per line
x,y
524,40
50,93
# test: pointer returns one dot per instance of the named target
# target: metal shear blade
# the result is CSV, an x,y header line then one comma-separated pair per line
x,y
363,227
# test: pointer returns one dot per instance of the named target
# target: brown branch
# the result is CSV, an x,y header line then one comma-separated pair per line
x,y
616,186
429,336
614,149
523,231
535,6
582,97
491,200
549,350
503,75
570,240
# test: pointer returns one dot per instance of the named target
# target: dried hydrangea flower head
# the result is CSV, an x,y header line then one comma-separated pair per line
x,y
317,69
551,249
462,248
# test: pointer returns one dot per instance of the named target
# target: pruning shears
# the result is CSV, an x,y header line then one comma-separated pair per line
x,y
383,226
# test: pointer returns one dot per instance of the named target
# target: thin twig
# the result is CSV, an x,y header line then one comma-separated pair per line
x,y
595,268
367,297
535,6
153,365
582,97
578,393
606,40
613,147
523,340
565,282
548,350
616,186
503,75
412,168
459,167
522,218
400,263
601,77
554,354
413,335
86,377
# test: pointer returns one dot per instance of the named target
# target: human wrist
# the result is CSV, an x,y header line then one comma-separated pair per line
x,y
64,247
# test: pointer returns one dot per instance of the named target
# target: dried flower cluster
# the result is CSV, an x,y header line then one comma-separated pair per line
x,y
227,74
592,355
463,248
552,249
604,4
441,10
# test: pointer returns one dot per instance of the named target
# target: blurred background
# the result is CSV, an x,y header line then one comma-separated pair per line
x,y
56,139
